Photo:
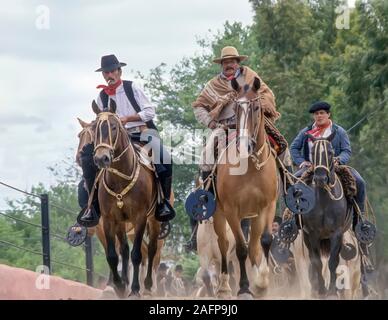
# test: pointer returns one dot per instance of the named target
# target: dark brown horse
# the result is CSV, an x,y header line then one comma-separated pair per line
x,y
127,193
86,136
249,191
325,225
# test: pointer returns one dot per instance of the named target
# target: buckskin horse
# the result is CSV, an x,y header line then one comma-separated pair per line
x,y
251,193
325,225
127,192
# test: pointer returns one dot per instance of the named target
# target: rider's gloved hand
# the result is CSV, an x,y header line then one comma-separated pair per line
x,y
305,164
212,124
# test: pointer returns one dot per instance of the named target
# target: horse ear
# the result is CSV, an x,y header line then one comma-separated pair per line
x,y
83,123
331,137
313,139
235,85
113,106
95,107
256,84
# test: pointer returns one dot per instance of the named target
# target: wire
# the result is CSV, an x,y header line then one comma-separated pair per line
x,y
20,220
381,104
60,208
17,189
58,237
21,248
68,265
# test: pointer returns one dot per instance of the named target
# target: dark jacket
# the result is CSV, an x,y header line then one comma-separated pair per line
x,y
300,150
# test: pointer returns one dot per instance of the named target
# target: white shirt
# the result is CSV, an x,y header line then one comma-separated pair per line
x,y
325,134
125,108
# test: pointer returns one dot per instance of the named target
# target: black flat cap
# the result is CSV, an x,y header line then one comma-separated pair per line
x,y
319,105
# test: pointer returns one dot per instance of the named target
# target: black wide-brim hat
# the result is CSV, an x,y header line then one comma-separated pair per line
x,y
110,63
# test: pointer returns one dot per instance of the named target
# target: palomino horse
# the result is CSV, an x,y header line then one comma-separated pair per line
x,y
86,137
249,191
128,193
324,226
210,257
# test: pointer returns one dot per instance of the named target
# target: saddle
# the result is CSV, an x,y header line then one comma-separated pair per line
x,y
144,157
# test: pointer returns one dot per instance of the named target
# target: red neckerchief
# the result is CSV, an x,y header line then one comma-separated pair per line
x,y
318,131
110,90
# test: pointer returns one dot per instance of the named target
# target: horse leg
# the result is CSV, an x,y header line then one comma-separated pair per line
x,y
315,270
260,266
124,251
241,252
335,247
224,290
154,230
112,258
136,256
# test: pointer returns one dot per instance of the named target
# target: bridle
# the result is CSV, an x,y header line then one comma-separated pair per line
x,y
250,113
321,160
102,118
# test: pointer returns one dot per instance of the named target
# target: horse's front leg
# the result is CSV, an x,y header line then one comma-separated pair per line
x,y
154,230
112,257
136,255
260,240
224,290
241,252
315,270
335,247
124,251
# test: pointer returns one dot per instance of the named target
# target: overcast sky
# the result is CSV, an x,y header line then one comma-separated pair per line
x,y
47,75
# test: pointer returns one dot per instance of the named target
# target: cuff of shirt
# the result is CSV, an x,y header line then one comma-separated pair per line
x,y
144,117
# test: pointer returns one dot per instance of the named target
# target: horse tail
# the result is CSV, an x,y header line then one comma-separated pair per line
x,y
325,247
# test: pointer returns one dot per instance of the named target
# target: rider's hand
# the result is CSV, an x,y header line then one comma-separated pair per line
x,y
305,164
212,124
337,161
124,120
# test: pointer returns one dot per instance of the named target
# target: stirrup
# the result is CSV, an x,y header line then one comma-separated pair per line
x,y
164,211
88,217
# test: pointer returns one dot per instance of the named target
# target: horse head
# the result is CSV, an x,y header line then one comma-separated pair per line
x,y
85,137
323,160
247,111
109,135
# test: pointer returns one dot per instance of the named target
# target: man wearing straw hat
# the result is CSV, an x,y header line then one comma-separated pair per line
x,y
214,108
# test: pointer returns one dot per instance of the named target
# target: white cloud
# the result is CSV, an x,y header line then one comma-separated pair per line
x,y
48,76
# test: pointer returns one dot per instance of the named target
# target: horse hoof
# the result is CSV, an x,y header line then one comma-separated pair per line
x,y
245,296
108,293
120,290
332,296
224,295
147,293
260,292
134,295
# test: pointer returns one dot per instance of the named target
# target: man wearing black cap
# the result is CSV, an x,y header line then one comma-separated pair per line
x,y
136,113
321,128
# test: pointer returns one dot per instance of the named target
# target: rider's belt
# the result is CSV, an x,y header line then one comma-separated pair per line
x,y
136,129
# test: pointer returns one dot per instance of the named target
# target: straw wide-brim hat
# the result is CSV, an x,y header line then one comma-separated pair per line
x,y
230,52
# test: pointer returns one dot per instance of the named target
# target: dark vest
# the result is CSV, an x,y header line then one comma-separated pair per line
x,y
131,97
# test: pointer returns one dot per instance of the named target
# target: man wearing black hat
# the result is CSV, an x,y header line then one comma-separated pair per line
x,y
322,127
136,113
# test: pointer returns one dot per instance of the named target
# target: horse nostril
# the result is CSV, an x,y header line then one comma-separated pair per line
x,y
106,159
